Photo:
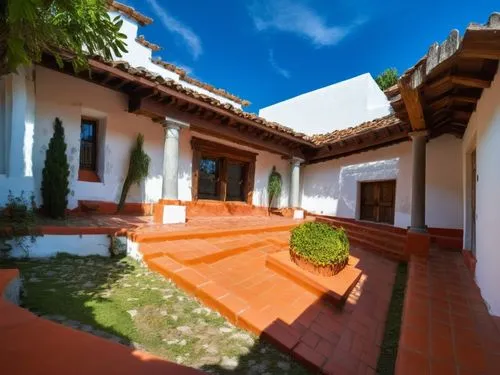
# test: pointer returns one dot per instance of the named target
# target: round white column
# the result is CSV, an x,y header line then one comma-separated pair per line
x,y
419,140
295,183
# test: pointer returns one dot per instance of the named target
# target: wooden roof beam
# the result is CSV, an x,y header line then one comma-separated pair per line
x,y
413,104
470,82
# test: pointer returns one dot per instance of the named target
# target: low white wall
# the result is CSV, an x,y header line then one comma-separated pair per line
x,y
483,134
49,245
332,187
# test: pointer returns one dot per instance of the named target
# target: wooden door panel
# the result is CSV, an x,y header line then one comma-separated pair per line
x,y
377,201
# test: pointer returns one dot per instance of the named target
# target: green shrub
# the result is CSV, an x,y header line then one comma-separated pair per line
x,y
55,175
138,169
320,244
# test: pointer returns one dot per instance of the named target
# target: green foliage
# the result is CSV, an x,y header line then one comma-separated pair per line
x,y
389,348
19,214
320,244
28,28
55,175
387,78
273,186
138,169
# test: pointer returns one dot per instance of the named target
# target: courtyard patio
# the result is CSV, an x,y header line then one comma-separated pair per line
x,y
217,295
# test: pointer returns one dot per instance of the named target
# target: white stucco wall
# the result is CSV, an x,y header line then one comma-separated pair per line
x,y
140,56
49,245
338,106
68,98
483,134
332,187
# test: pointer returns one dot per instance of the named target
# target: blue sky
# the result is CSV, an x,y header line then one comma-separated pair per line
x,y
267,51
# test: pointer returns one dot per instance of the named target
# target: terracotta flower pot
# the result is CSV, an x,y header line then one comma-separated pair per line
x,y
305,264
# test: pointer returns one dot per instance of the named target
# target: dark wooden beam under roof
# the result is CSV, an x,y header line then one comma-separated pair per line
x,y
218,128
364,141
450,77
411,98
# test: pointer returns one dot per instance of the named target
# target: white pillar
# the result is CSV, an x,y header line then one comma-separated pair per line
x,y
418,181
171,162
295,188
19,96
172,213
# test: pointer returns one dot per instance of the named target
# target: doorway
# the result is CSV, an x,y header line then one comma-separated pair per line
x,y
378,201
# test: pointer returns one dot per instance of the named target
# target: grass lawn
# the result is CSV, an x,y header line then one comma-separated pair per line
x,y
120,300
389,348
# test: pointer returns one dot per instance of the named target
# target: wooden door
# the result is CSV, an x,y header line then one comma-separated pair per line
x,y
377,201
473,201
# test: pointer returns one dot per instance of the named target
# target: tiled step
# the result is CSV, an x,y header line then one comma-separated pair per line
x,y
380,240
385,230
448,242
366,225
385,240
334,289
197,251
159,236
382,250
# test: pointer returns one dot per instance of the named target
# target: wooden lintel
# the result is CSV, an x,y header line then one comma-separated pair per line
x,y
333,151
412,100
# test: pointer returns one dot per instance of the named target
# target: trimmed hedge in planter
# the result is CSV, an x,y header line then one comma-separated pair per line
x,y
319,248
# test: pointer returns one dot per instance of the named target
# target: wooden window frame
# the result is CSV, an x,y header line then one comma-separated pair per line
x,y
95,123
203,148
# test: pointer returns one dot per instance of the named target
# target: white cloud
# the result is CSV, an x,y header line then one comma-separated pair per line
x,y
298,18
282,72
171,24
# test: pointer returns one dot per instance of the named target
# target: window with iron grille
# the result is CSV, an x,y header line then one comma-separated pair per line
x,y
88,145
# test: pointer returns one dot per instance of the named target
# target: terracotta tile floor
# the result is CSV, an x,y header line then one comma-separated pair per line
x,y
218,223
253,296
446,327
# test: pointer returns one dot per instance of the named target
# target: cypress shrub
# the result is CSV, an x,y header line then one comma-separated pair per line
x,y
55,175
138,169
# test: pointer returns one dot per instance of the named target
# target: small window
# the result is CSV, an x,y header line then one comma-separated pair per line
x,y
209,178
88,145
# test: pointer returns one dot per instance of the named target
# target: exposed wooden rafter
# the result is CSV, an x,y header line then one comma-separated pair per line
x,y
411,98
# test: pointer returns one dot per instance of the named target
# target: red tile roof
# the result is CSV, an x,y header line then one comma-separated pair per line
x,y
153,47
130,12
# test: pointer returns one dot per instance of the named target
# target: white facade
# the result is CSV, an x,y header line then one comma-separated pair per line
x,y
483,136
338,106
140,56
70,99
333,187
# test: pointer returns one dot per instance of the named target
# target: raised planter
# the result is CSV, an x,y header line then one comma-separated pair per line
x,y
305,264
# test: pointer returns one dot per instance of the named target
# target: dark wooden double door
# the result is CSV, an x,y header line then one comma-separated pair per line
x,y
378,201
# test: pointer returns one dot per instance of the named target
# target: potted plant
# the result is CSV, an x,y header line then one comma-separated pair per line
x,y
319,248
